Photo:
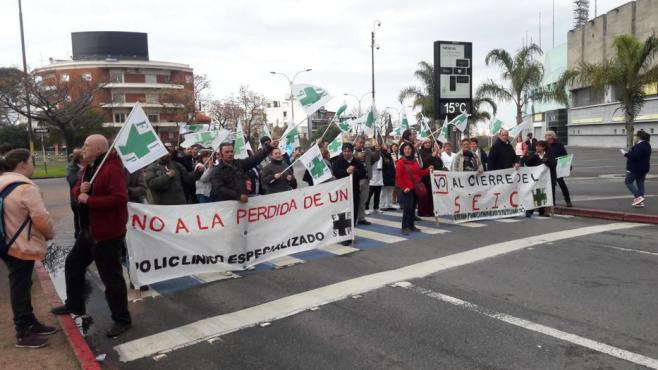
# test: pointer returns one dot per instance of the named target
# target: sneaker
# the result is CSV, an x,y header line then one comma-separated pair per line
x,y
569,204
65,310
406,231
365,222
638,200
41,329
30,340
638,205
117,329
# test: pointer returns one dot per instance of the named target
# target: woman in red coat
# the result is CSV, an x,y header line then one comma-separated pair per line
x,y
407,174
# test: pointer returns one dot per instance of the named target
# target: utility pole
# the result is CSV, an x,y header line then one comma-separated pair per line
x,y
25,87
372,65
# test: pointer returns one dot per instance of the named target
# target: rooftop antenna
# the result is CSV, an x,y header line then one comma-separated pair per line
x,y
580,12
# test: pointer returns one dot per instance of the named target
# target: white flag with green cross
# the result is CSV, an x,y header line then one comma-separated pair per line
x,y
186,129
310,97
137,143
461,121
518,129
207,139
240,145
341,110
444,133
336,146
289,141
563,168
265,131
313,162
495,125
404,121
345,126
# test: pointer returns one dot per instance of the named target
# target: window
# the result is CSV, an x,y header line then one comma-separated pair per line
x,y
118,98
188,79
652,131
285,114
150,79
116,76
119,117
166,79
615,131
154,118
152,98
64,78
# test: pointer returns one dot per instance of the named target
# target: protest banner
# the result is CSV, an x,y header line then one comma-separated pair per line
x,y
563,168
470,196
165,242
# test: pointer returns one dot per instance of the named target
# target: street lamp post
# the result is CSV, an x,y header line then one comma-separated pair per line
x,y
27,92
373,45
358,99
291,81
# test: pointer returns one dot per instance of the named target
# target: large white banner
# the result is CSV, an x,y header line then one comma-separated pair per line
x,y
469,196
166,242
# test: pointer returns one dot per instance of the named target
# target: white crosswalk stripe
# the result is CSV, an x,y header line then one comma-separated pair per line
x,y
424,229
216,276
285,261
378,236
338,250
508,220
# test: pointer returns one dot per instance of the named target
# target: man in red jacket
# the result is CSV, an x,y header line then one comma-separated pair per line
x,y
103,217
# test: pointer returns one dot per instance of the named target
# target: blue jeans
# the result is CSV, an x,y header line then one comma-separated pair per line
x,y
200,198
639,179
408,205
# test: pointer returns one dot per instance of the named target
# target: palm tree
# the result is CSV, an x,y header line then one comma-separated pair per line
x,y
628,72
478,113
521,78
423,96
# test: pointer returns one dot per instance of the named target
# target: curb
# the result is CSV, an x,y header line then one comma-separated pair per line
x,y
83,353
608,215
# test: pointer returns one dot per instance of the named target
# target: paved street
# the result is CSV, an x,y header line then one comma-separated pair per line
x,y
518,293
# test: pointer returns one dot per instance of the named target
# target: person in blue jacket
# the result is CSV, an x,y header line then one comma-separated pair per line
x,y
637,166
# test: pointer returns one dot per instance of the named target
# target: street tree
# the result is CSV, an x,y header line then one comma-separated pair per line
x,y
629,72
422,95
521,78
479,113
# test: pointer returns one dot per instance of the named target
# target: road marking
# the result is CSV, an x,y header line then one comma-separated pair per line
x,y
424,229
627,249
285,261
563,216
441,220
507,220
584,198
385,238
205,329
338,249
623,354
209,277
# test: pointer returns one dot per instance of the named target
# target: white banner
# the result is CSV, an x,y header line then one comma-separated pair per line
x,y
165,242
469,196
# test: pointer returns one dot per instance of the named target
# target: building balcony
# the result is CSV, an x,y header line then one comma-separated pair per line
x,y
155,124
144,105
142,85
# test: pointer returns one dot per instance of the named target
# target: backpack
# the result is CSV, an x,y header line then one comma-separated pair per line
x,y
4,244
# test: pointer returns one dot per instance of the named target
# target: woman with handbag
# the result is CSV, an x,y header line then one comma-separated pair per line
x,y
408,175
428,155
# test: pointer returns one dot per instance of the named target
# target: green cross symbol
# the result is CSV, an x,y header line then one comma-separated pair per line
x,y
206,137
318,167
291,136
344,126
239,144
539,197
335,145
311,96
137,143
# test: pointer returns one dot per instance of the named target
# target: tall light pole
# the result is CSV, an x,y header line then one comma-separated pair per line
x,y
358,99
373,45
27,92
291,81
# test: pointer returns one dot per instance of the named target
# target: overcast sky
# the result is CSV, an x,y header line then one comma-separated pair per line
x,y
239,42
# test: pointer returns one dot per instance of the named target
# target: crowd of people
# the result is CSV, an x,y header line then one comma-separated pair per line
x,y
385,175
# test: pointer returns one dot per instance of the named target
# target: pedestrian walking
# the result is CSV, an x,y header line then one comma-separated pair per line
x,y
556,149
408,176
502,154
388,178
637,166
103,219
27,227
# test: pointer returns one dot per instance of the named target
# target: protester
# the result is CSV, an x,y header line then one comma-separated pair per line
x,y
407,174
395,155
103,219
447,156
367,157
521,148
229,177
556,149
27,227
429,156
502,155
637,166
278,176
466,160
72,173
388,179
537,158
345,165
376,184
531,143
202,185
480,153
136,186
166,181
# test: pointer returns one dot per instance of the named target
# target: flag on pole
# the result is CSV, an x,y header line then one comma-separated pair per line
x,y
445,131
240,145
518,129
289,141
341,110
336,146
461,121
495,125
310,97
313,162
404,121
207,139
345,126
186,129
137,143
265,131
424,129
563,168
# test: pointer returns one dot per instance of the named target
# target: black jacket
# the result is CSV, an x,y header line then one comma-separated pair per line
x,y
229,182
501,156
638,158
533,160
388,169
556,149
340,170
272,185
484,159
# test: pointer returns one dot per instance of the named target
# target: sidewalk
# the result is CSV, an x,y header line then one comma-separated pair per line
x,y
57,355
616,208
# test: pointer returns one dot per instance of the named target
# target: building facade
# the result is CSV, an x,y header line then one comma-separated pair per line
x,y
117,66
595,119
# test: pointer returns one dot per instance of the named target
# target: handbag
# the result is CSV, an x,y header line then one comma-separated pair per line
x,y
419,188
